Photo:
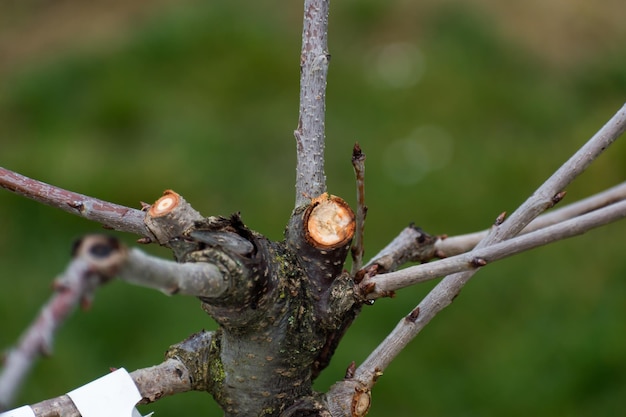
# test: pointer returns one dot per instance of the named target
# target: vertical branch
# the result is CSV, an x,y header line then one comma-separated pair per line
x,y
310,177
358,162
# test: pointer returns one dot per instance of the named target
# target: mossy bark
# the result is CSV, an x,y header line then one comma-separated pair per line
x,y
285,309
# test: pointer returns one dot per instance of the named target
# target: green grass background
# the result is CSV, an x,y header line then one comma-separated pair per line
x,y
204,100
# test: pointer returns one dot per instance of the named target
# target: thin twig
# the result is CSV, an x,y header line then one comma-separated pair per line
x,y
98,258
111,215
479,257
442,295
455,245
156,382
413,245
548,194
75,286
310,177
358,162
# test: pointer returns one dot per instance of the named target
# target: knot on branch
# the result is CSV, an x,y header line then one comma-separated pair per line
x,y
241,255
195,352
349,398
224,242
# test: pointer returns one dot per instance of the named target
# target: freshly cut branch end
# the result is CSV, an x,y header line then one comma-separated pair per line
x,y
165,204
170,216
329,221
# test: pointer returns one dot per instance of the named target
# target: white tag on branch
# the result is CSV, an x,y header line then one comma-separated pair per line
x,y
25,411
112,395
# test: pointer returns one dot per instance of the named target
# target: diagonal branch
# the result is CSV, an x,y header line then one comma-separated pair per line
x,y
310,177
413,245
97,259
442,295
386,283
548,194
462,243
111,215
75,286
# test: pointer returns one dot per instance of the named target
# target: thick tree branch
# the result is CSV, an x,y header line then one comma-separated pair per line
x,y
443,294
310,177
111,215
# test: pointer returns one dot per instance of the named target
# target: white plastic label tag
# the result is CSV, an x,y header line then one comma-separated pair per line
x,y
25,411
112,395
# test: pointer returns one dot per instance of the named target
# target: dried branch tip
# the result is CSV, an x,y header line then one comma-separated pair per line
x,y
500,219
329,222
357,153
350,370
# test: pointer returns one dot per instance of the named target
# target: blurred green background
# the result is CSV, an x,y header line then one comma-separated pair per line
x,y
463,109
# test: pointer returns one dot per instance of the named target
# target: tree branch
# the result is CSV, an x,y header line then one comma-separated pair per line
x,y
442,295
386,283
310,177
198,279
97,259
111,215
358,163
548,194
91,266
414,245
168,378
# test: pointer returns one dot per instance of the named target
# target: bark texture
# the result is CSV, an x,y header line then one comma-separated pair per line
x,y
310,177
285,306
